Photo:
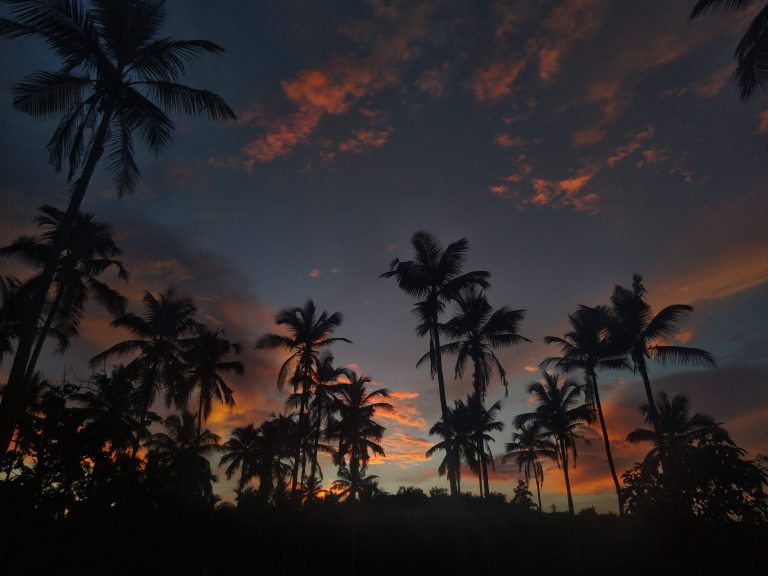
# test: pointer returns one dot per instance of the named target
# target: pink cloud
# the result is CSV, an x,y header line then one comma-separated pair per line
x,y
507,141
315,273
494,81
633,145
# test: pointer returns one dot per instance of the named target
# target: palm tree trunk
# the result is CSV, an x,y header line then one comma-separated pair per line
x,y
300,439
485,470
12,405
564,451
43,334
437,362
591,377
200,414
538,489
652,411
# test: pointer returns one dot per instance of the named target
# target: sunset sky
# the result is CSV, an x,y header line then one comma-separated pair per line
x,y
572,142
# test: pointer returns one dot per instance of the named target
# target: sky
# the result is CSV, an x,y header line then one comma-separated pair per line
x,y
573,143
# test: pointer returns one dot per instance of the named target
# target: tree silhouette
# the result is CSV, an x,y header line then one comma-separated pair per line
x,y
308,333
118,78
241,451
751,73
435,277
480,421
586,347
529,445
558,414
639,335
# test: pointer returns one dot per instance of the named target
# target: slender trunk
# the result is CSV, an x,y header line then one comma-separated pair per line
x,y
591,377
484,465
315,450
12,405
354,473
478,449
300,439
538,488
304,438
564,451
200,414
652,411
43,335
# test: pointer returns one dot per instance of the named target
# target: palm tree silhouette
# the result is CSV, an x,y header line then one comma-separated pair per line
x,y
457,445
480,421
240,451
160,339
478,330
321,408
435,277
586,347
357,432
308,333
559,415
118,78
14,295
639,335
88,252
751,52
529,445
206,356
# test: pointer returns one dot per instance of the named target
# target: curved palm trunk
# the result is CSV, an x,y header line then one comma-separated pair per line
x,y
538,489
200,415
300,440
484,469
593,379
12,405
43,334
652,411
567,478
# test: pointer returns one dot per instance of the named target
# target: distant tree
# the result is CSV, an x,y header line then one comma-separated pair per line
x,y
559,414
118,78
639,334
751,73
694,469
529,445
522,497
481,421
241,451
308,334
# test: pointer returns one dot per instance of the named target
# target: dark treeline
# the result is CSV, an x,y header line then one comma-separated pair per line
x,y
114,473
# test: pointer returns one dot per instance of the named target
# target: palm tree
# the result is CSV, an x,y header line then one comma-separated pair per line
x,y
451,444
435,277
751,72
117,78
639,335
88,252
13,297
240,452
321,408
481,421
308,333
478,330
586,347
560,416
206,356
274,452
529,445
160,339
357,432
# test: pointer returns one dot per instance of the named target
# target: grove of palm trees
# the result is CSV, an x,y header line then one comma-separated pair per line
x,y
419,417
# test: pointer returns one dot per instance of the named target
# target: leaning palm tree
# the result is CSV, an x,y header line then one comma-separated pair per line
x,y
560,416
206,355
118,78
87,254
586,347
751,73
640,335
240,452
478,330
159,341
529,445
308,334
358,434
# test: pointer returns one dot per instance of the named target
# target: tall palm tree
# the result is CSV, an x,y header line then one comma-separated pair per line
x,y
321,408
160,339
240,451
118,78
88,252
206,356
640,335
308,334
275,453
357,432
435,277
559,415
481,422
529,445
478,331
586,347
751,73
456,445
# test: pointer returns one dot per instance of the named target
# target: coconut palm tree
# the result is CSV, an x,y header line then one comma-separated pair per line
x,y
274,453
159,344
206,357
751,73
308,334
118,78
478,331
451,443
481,421
586,347
13,296
321,407
529,445
639,334
358,434
240,451
88,253
560,416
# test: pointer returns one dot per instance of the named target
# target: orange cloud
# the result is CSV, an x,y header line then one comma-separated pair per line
x,y
365,139
402,449
566,192
315,273
498,190
495,80
627,149
405,413
507,141
587,136
433,81
762,122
